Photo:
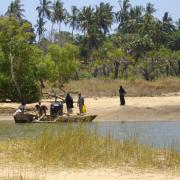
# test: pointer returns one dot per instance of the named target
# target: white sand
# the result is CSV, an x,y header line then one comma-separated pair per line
x,y
87,174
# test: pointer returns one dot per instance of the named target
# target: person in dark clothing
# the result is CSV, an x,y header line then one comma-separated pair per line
x,y
40,109
122,93
69,103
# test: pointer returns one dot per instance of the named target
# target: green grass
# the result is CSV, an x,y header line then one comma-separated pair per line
x,y
78,147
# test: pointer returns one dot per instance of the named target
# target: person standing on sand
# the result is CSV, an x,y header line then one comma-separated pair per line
x,y
122,93
80,103
69,103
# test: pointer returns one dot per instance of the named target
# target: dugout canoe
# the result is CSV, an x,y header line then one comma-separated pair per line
x,y
29,118
24,118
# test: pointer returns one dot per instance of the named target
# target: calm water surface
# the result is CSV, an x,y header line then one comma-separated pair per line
x,y
155,134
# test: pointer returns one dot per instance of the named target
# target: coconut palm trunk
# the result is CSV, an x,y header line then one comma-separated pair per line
x,y
72,33
52,32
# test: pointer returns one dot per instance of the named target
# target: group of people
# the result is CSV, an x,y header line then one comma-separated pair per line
x,y
42,109
69,101
39,109
70,104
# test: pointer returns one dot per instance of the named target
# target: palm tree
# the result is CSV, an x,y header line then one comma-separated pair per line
x,y
150,10
40,28
59,13
136,13
15,10
53,19
104,16
149,21
168,23
135,19
122,16
44,9
92,35
178,24
43,12
87,19
73,19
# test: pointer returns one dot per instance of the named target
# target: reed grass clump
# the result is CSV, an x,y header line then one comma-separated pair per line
x,y
78,146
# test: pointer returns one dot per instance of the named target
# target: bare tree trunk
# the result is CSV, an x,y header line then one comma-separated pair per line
x,y
95,73
76,76
116,69
173,68
14,78
167,70
104,70
179,67
124,71
146,74
42,83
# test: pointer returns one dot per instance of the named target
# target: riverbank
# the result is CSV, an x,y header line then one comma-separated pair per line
x,y
80,153
162,108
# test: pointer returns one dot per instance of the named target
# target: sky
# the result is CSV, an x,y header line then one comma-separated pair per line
x,y
172,6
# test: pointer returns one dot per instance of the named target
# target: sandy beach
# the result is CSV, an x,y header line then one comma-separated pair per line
x,y
87,174
164,108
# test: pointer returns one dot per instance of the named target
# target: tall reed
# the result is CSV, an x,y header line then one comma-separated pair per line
x,y
78,146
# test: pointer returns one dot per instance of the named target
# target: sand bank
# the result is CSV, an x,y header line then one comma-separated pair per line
x,y
87,174
109,109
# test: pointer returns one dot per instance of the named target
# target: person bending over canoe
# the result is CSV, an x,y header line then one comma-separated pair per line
x,y
22,106
41,109
80,103
69,103
20,109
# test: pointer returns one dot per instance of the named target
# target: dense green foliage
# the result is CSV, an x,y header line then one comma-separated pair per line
x,y
23,64
18,59
141,46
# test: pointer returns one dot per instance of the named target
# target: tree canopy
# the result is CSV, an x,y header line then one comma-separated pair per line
x,y
131,42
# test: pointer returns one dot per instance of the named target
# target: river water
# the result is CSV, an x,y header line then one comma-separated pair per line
x,y
154,134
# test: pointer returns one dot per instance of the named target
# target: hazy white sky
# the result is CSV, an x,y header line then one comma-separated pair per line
x,y
172,6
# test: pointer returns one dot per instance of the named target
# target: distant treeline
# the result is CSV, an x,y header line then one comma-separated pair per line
x,y
141,46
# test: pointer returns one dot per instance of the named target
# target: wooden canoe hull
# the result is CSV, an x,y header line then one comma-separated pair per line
x,y
89,118
24,118
29,118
